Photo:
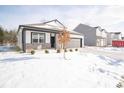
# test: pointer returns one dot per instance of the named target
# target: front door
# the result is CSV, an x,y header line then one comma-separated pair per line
x,y
80,42
52,42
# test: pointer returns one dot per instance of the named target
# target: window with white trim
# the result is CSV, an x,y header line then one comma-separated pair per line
x,y
41,38
38,37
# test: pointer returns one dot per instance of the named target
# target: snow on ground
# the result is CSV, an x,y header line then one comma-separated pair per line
x,y
6,48
110,49
51,70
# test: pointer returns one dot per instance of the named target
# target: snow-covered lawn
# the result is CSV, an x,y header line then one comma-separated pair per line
x,y
51,70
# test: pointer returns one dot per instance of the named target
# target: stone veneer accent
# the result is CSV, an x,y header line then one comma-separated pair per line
x,y
38,46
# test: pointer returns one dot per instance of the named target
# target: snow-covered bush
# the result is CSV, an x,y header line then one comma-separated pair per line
x,y
32,52
65,50
71,50
76,49
17,48
122,77
46,51
58,50
119,85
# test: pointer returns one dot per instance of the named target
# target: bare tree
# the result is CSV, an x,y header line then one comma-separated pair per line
x,y
63,39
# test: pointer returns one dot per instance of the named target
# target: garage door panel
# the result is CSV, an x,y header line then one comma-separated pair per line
x,y
74,43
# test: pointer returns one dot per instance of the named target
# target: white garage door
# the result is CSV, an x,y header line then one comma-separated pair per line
x,y
74,43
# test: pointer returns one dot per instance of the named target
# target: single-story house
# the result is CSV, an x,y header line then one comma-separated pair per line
x,y
93,36
45,36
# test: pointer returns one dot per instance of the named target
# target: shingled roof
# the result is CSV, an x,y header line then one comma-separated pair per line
x,y
53,25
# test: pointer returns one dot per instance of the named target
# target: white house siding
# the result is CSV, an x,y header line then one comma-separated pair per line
x,y
57,42
98,32
102,40
47,37
108,39
75,36
28,37
104,34
19,37
82,41
98,42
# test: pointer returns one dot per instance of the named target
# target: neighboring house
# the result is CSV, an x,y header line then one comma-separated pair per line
x,y
93,36
45,36
114,36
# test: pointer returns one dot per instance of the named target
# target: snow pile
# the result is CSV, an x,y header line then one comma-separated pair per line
x,y
51,70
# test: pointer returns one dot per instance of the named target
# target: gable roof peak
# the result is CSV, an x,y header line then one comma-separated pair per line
x,y
56,21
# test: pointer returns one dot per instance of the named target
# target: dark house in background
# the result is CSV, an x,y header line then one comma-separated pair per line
x,y
93,36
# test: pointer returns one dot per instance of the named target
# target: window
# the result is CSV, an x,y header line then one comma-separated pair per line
x,y
34,37
38,37
41,38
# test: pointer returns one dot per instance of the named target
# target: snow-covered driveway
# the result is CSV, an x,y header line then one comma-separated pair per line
x,y
113,52
51,70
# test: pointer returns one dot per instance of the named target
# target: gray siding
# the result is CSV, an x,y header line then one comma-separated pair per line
x,y
89,34
27,44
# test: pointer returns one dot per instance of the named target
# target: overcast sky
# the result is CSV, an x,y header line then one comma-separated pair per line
x,y
110,18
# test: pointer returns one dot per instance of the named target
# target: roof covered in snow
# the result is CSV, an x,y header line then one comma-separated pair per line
x,y
53,24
